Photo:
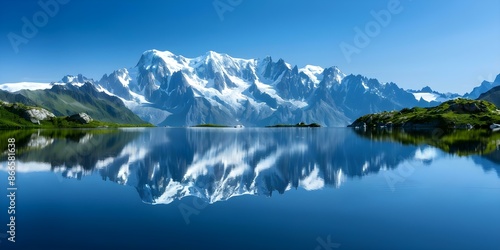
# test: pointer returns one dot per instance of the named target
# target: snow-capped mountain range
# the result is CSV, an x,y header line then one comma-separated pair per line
x,y
430,95
217,88
172,90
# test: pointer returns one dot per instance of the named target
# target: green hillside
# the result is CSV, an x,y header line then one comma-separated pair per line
x,y
12,117
458,113
67,100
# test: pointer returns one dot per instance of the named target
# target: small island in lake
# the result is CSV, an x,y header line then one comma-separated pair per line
x,y
298,125
210,125
454,114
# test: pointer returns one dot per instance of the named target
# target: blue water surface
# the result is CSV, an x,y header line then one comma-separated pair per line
x,y
262,188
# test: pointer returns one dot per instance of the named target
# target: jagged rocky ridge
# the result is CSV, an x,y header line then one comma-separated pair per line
x,y
171,90
483,88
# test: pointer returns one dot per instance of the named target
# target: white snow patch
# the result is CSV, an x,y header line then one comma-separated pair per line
x,y
313,72
13,87
313,181
364,85
429,97
299,104
428,153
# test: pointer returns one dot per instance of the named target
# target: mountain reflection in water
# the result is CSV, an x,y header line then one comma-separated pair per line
x,y
165,164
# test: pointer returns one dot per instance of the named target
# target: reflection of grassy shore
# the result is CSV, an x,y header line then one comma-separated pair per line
x,y
459,142
66,147
23,137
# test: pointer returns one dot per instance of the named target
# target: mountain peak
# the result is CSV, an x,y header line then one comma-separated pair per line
x,y
334,74
427,89
75,80
149,56
162,63
213,54
314,69
282,62
219,58
158,53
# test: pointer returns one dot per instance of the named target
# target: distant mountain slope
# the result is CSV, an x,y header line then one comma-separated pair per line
x,y
75,94
15,97
493,96
429,95
65,100
483,88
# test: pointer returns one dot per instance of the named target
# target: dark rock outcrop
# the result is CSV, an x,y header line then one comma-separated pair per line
x,y
82,118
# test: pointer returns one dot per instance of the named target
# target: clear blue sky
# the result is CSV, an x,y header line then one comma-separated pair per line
x,y
449,45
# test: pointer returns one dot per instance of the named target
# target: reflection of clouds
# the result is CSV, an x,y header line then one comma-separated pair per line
x,y
267,162
313,181
28,167
429,153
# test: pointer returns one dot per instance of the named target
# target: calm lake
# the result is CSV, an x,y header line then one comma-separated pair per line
x,y
251,188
